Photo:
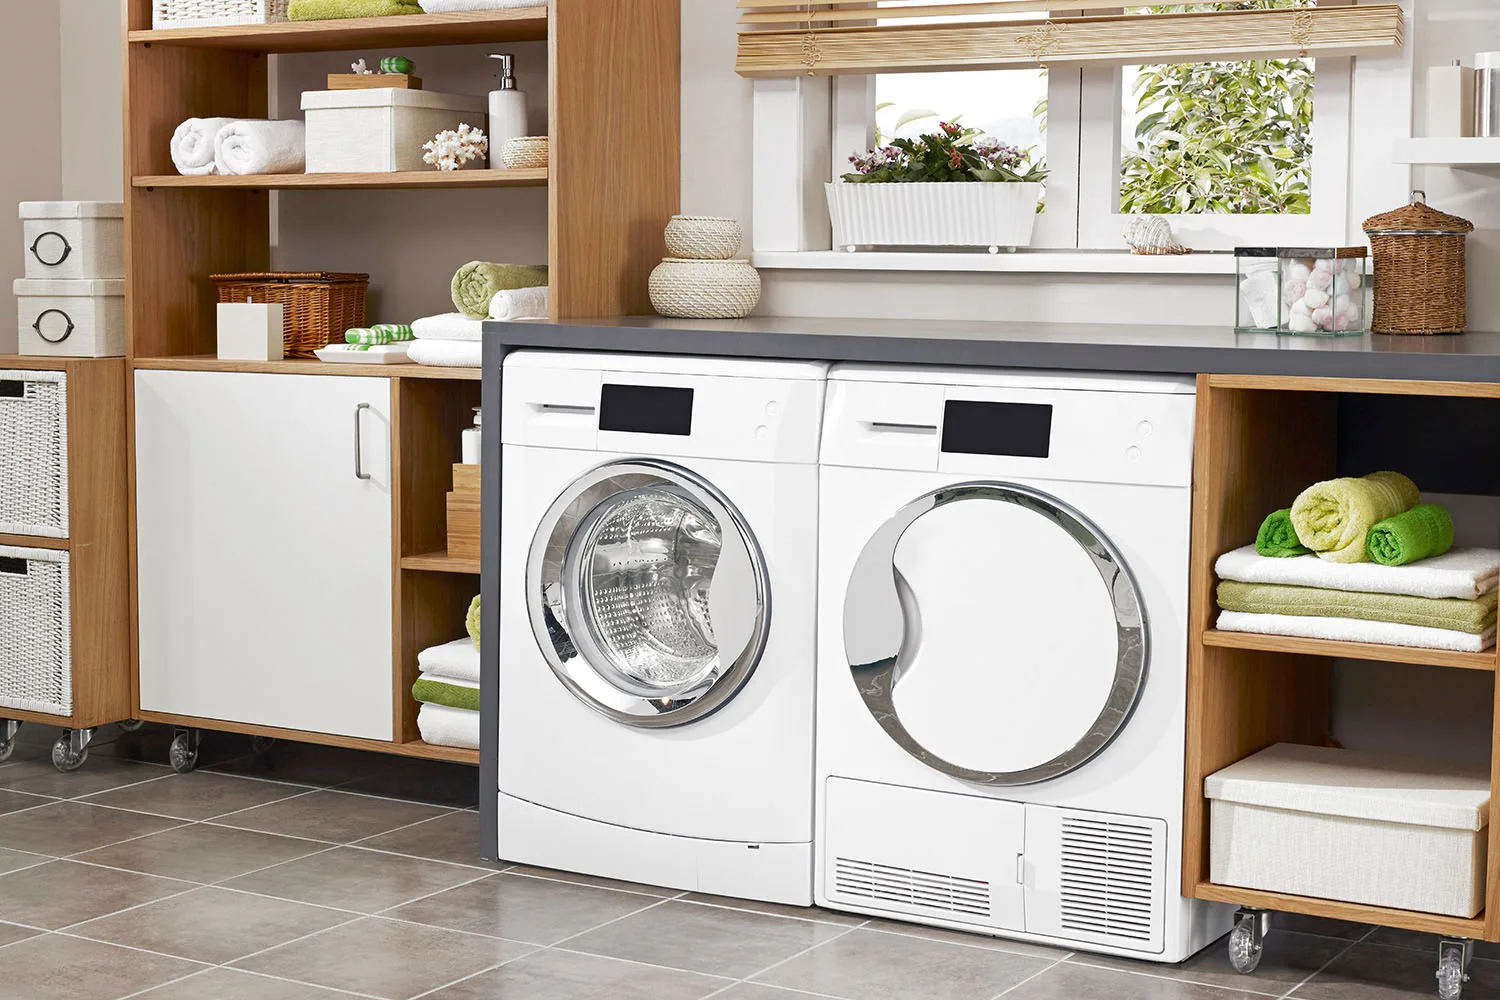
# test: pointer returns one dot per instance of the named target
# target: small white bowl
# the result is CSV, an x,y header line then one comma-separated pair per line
x,y
703,237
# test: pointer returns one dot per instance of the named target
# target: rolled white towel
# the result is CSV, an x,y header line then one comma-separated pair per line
x,y
520,303
448,326
193,145
261,147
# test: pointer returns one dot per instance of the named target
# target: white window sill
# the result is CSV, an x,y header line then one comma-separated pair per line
x,y
1021,262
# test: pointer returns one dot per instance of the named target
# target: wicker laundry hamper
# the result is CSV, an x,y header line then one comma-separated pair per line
x,y
1421,274
320,305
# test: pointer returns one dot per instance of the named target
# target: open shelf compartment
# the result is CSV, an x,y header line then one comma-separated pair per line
x,y
519,24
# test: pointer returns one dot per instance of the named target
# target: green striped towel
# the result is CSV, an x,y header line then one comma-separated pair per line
x,y
380,334
435,691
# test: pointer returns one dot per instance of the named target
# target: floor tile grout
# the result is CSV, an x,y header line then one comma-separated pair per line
x,y
1322,968
776,965
1034,975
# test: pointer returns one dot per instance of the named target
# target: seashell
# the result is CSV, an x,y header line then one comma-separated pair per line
x,y
1152,234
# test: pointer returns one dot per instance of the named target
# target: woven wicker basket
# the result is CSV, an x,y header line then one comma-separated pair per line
x,y
34,454
320,306
705,289
215,13
36,631
527,151
1421,272
702,237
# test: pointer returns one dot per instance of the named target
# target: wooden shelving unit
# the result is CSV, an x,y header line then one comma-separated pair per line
x,y
1260,440
613,182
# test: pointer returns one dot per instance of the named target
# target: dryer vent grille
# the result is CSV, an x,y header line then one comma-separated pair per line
x,y
907,886
1108,877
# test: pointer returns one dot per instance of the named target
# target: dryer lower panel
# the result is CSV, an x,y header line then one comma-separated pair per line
x,y
534,835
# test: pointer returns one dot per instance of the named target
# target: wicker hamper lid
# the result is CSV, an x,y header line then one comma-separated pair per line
x,y
294,277
1417,219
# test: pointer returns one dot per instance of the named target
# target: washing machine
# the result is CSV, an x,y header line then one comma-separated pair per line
x,y
1002,655
657,623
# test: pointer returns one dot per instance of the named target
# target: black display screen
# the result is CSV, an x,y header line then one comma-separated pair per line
x,y
1020,430
646,409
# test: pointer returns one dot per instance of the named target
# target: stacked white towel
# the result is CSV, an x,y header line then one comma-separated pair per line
x,y
448,727
455,662
448,326
450,340
193,145
261,147
1356,630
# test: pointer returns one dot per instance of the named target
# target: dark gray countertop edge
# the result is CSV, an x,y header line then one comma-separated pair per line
x,y
1164,358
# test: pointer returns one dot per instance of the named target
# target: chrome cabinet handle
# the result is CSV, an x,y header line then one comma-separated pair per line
x,y
359,468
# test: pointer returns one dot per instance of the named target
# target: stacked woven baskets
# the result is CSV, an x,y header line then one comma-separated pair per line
x,y
702,279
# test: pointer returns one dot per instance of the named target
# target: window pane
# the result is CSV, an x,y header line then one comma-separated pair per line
x,y
1010,105
1227,138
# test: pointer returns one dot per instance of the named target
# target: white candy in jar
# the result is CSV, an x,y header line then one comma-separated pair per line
x,y
1302,322
1297,270
1323,318
1320,279
1315,298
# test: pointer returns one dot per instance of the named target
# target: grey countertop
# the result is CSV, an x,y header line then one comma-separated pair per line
x,y
1470,357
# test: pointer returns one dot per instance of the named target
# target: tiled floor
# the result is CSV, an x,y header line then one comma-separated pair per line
x,y
319,874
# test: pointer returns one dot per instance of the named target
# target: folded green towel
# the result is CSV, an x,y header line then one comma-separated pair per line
x,y
1332,518
436,692
471,621
476,283
1277,538
1451,613
1425,530
329,10
380,334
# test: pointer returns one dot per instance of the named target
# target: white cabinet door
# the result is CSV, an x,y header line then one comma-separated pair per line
x,y
264,556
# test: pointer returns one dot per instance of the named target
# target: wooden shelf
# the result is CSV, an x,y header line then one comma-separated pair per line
x,y
40,542
441,562
1481,153
1350,650
453,755
522,24
529,177
304,366
1411,920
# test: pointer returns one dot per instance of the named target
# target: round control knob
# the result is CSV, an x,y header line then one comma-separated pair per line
x,y
1132,454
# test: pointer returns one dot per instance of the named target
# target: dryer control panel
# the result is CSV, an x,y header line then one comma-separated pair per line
x,y
1012,425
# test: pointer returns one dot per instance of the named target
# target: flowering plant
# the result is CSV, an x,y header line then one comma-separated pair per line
x,y
953,153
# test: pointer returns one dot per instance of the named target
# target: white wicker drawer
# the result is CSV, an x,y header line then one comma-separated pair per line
x,y
36,631
34,453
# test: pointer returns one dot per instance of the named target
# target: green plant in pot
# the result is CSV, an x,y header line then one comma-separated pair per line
x,y
955,187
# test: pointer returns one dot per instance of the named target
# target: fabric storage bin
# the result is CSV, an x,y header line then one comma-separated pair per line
x,y
1379,829
71,319
36,631
74,239
381,130
34,453
212,13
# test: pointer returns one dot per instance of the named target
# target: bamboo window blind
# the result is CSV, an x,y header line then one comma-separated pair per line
x,y
780,38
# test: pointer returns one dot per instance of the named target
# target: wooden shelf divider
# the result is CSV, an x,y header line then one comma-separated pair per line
x,y
527,177
1384,916
441,562
1350,650
520,24
306,366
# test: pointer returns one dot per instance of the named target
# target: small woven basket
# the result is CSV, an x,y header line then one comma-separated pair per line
x,y
703,237
1421,271
320,306
527,151
216,13
705,289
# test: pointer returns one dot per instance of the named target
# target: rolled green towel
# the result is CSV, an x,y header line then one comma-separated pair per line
x,y
1277,538
471,621
1332,518
476,283
1452,613
430,691
1425,530
330,10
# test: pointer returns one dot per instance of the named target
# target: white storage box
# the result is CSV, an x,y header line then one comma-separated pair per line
x,y
74,239
381,130
215,13
71,319
36,631
1403,832
34,454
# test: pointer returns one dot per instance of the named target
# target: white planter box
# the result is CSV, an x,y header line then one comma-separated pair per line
x,y
960,214
71,319
74,239
1365,828
382,130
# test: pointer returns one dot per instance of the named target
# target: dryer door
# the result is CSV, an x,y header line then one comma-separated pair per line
x,y
647,593
995,634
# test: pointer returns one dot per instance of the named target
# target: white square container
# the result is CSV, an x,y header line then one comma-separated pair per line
x,y
251,331
71,319
381,130
74,239
1404,832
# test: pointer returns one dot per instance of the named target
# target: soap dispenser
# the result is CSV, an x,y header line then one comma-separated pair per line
x,y
507,108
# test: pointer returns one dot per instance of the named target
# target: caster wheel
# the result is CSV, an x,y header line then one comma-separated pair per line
x,y
65,758
183,754
1452,971
261,745
130,725
1245,945
7,747
8,730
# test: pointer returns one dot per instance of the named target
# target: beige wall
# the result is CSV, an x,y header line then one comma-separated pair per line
x,y
31,118
93,126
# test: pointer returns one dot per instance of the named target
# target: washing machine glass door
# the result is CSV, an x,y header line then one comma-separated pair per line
x,y
648,595
995,634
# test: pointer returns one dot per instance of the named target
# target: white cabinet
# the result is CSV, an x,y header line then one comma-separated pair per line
x,y
264,533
